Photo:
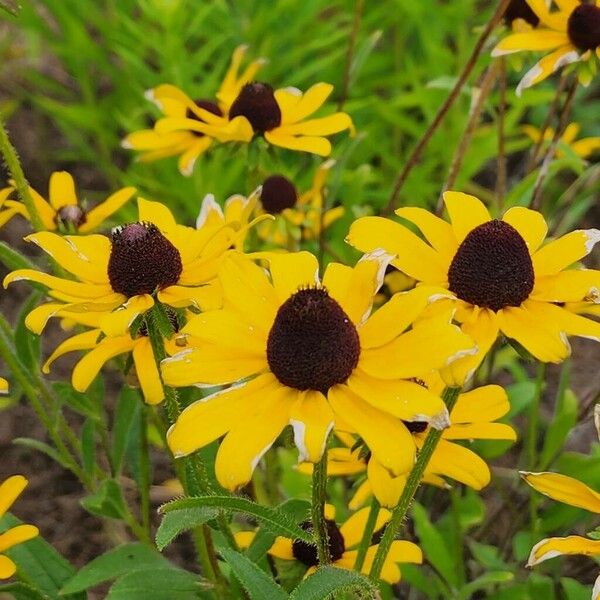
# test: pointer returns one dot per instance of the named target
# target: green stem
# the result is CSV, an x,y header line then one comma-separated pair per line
x,y
414,479
145,469
319,494
365,541
458,535
14,166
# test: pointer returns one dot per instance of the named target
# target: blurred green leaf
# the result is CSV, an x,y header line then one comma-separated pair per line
x,y
107,501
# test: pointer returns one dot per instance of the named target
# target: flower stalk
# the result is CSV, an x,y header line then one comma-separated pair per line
x,y
319,494
365,541
450,397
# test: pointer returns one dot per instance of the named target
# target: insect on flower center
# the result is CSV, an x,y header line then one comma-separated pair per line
x,y
278,193
142,260
256,101
71,214
207,105
583,27
492,267
307,553
519,9
313,344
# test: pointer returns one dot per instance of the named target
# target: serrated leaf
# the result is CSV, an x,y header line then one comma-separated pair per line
x,y
272,519
113,564
255,581
331,580
155,584
176,522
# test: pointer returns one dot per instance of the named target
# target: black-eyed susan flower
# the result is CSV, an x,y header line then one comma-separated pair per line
x,y
308,354
297,216
63,209
504,278
100,348
583,147
571,34
121,276
574,493
280,116
189,127
473,417
343,545
10,490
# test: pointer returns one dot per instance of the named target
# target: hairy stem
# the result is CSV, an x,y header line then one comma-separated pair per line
x,y
365,541
319,494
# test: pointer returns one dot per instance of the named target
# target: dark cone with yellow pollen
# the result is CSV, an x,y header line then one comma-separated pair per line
x,y
142,260
307,553
278,193
71,214
584,27
519,9
313,344
257,103
492,267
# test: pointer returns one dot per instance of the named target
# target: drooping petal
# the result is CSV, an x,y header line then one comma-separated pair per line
x,y
480,405
81,341
480,431
466,212
312,419
61,190
552,547
565,55
564,489
387,438
147,371
530,224
460,463
386,489
352,530
187,160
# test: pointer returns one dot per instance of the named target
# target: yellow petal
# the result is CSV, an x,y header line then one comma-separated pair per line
x,y
305,104
413,256
209,418
315,145
552,547
396,315
459,463
205,297
244,538
147,371
318,127
361,496
564,251
352,530
247,441
480,431
564,489
118,322
466,212
157,213
573,285
483,404
312,419
7,567
565,55
387,438
81,341
530,224
536,39
89,366
586,146
385,488
3,386
17,535
565,321
187,160
438,232
62,190
282,548
291,272
10,490
43,208
100,213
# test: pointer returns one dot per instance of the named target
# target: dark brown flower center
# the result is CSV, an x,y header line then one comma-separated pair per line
x,y
520,9
256,101
307,553
312,344
278,193
207,105
71,215
142,260
492,267
583,27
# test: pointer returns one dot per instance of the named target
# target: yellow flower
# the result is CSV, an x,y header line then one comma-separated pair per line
x,y
343,545
10,490
582,148
315,357
280,116
571,33
120,277
473,417
296,216
63,210
575,493
189,142
503,278
3,386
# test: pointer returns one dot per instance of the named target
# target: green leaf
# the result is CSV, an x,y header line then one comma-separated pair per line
x,y
81,403
42,447
178,521
565,418
107,501
14,260
485,581
113,564
156,584
27,344
255,581
331,580
10,7
88,446
434,546
126,417
21,591
40,565
487,556
574,590
274,520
